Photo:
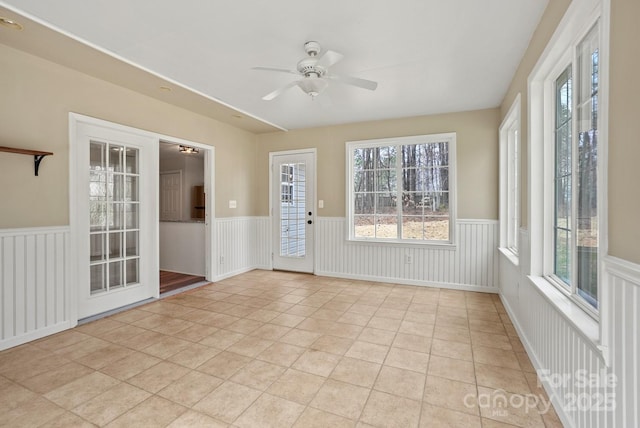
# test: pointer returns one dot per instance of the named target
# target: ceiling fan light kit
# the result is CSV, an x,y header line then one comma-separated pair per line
x,y
314,71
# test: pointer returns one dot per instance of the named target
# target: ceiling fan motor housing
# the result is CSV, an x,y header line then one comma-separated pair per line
x,y
308,66
312,48
315,75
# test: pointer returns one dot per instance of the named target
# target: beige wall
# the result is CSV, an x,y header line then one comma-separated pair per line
x,y
550,19
624,131
624,126
477,155
37,96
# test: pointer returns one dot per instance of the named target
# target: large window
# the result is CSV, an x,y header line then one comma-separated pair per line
x,y
402,189
575,174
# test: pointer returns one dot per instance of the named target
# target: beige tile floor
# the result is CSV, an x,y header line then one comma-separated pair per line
x,y
274,349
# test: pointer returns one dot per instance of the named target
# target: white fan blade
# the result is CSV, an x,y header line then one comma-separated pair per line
x,y
282,70
354,81
329,58
277,92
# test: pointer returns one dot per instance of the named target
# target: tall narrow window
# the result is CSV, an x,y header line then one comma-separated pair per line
x,y
563,179
510,179
514,189
575,174
587,169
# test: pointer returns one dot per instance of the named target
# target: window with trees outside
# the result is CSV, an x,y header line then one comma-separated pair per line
x,y
510,179
575,178
402,189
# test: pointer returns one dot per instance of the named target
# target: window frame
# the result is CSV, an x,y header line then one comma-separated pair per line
x,y
578,21
450,139
510,180
571,60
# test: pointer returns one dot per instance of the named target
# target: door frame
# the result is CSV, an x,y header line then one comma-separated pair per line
x,y
313,151
76,234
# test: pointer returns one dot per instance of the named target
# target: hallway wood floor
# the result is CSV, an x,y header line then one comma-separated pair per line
x,y
170,281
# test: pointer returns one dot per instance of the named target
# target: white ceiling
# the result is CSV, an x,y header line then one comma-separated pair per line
x,y
428,56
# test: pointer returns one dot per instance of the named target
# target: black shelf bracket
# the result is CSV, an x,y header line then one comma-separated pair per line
x,y
36,160
37,155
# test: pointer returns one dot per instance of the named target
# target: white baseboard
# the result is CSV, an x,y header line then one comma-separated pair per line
x,y
36,334
448,285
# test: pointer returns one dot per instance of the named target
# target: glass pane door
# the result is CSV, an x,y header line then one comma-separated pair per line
x,y
292,187
113,217
292,209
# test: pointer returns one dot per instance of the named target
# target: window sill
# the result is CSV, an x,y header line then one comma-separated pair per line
x,y
584,324
510,255
404,244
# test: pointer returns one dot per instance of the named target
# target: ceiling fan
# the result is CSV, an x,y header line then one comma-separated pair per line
x,y
315,74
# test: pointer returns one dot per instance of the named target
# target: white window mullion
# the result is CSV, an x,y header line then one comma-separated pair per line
x,y
575,119
399,189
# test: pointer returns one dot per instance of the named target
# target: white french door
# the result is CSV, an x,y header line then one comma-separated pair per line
x,y
293,208
116,217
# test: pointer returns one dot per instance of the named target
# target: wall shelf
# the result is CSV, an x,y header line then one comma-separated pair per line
x,y
37,155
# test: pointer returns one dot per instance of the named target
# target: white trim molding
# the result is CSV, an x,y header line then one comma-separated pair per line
x,y
579,20
448,138
510,178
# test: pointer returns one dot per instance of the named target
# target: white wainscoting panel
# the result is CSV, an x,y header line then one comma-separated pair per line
x,y
242,244
35,289
562,351
472,264
622,334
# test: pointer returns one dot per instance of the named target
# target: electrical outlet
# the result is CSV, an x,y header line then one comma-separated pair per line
x,y
408,259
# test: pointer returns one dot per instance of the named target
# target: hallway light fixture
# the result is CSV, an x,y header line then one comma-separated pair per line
x,y
188,149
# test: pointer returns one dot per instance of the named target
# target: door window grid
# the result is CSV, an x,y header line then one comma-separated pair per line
x,y
113,212
292,209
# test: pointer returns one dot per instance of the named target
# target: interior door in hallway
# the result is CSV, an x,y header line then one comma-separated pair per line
x,y
293,210
170,195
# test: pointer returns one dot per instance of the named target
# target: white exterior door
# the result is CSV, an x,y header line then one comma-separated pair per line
x,y
293,208
116,209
